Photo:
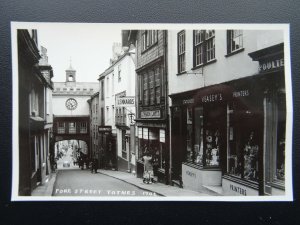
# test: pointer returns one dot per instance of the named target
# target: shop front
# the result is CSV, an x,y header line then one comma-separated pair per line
x,y
152,139
231,136
108,154
198,137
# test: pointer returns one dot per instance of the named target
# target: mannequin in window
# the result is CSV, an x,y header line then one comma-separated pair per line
x,y
250,157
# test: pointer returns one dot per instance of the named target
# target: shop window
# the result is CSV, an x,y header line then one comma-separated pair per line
x,y
213,134
198,141
280,150
243,143
234,40
204,47
181,51
161,156
124,151
189,131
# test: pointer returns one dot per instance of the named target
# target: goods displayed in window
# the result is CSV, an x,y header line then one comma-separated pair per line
x,y
250,159
212,147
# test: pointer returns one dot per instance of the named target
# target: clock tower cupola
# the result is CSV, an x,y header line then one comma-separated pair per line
x,y
70,74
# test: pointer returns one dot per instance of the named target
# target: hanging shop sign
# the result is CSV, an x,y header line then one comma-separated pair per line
x,y
150,114
126,101
104,129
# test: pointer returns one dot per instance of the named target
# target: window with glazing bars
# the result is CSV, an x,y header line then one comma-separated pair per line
x,y
181,51
204,46
234,40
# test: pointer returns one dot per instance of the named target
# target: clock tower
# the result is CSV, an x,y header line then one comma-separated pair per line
x,y
70,76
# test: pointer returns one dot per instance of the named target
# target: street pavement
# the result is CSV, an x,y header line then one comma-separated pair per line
x,y
76,182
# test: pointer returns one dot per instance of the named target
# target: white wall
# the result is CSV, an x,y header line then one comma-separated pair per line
x,y
225,68
59,105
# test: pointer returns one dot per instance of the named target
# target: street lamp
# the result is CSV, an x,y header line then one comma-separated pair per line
x,y
131,117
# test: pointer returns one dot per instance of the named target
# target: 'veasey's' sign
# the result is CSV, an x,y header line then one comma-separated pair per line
x,y
125,101
270,65
104,129
150,114
212,98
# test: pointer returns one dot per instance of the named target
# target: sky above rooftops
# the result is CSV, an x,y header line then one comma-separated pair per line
x,y
88,47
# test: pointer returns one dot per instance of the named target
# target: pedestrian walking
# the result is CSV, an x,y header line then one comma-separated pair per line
x,y
148,168
94,166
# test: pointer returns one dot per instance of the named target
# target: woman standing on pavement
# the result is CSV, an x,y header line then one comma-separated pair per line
x,y
148,168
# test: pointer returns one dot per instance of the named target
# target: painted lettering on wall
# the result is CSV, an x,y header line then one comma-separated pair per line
x,y
271,65
238,189
212,98
188,101
191,174
241,93
125,101
150,114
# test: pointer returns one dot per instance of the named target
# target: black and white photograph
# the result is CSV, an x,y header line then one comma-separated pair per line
x,y
151,112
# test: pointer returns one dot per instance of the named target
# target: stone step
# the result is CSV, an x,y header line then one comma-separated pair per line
x,y
213,190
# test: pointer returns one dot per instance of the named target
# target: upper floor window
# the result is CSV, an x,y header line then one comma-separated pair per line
x,y
234,40
150,86
107,85
204,46
149,38
83,127
61,127
119,73
72,127
34,103
181,51
102,90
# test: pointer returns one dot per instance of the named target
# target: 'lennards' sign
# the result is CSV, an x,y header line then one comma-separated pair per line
x,y
125,101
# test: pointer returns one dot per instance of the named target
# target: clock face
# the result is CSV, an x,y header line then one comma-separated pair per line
x,y
71,104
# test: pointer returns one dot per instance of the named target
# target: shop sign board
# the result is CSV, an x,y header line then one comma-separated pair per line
x,y
241,93
126,101
150,114
104,129
188,101
271,65
212,98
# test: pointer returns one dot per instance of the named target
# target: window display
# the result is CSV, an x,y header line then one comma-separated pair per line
x,y
243,143
280,153
189,131
198,145
212,137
